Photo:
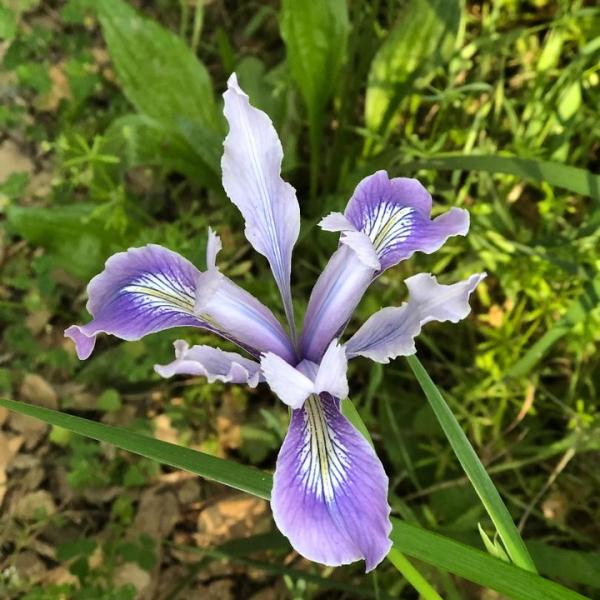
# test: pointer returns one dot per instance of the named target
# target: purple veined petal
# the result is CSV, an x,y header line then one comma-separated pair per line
x,y
251,166
293,385
357,240
213,363
395,215
231,309
330,490
140,291
391,332
336,294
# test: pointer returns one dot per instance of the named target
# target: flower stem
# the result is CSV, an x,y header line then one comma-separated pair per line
x,y
411,575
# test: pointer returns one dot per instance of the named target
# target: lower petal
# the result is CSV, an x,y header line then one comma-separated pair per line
x,y
330,490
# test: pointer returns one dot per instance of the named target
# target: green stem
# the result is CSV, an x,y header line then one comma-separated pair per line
x,y
412,575
197,28
314,134
474,470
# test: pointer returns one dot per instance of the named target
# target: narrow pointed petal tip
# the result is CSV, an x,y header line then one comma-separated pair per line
x,y
330,490
213,363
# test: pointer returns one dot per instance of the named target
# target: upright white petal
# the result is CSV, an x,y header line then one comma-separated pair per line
x,y
291,386
331,376
251,166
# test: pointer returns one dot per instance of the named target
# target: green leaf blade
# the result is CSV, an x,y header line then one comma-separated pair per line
x,y
473,468
423,38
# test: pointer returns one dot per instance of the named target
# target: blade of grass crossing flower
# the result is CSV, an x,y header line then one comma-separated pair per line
x,y
475,565
474,470
431,548
246,479
412,575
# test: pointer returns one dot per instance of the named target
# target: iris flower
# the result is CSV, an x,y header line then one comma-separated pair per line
x,y
330,490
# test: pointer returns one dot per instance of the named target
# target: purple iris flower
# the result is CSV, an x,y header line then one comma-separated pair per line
x,y
330,490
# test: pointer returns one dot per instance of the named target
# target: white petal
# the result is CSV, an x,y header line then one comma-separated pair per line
x,y
391,331
213,247
213,363
251,166
336,221
291,386
331,376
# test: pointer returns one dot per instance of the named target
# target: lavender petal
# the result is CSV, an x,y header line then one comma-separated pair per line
x,y
140,291
391,332
330,490
252,179
213,363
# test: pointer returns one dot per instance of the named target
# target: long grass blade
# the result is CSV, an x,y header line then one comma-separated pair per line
x,y
570,178
473,468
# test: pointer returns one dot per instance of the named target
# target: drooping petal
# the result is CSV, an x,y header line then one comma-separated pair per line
x,y
228,307
330,490
395,215
252,179
332,301
289,384
391,331
213,363
140,291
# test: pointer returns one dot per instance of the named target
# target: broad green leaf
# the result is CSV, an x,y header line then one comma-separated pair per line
x,y
577,312
570,178
473,468
141,140
423,39
315,36
161,76
431,548
77,242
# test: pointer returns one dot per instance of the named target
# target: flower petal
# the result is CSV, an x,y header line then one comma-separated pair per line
x,y
386,221
213,363
391,331
229,308
330,490
140,291
335,296
331,375
395,215
290,385
252,179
